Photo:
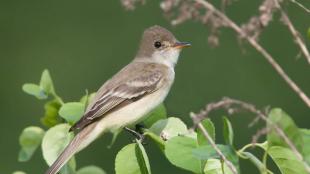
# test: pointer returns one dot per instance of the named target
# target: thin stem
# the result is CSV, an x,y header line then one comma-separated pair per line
x,y
259,48
296,36
222,166
300,5
263,170
227,103
58,99
246,147
286,20
218,151
265,158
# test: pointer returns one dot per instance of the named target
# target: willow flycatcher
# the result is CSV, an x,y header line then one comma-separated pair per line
x,y
130,94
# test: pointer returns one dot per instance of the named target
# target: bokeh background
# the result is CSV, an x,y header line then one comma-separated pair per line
x,y
83,43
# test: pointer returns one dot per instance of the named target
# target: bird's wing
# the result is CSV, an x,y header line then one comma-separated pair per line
x,y
120,95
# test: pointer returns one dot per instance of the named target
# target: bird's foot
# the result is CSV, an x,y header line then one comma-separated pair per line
x,y
139,128
138,135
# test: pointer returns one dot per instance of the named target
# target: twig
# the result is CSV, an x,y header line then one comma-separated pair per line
x,y
300,5
131,4
259,133
227,103
255,120
259,48
212,143
286,20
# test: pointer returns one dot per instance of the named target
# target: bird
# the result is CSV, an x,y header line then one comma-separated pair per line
x,y
128,97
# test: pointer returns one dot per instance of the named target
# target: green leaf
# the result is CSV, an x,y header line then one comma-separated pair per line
x,y
19,172
158,113
284,121
91,170
156,139
72,111
309,33
54,142
128,160
51,117
179,151
69,168
29,141
35,90
260,166
286,160
228,132
168,128
215,166
209,126
143,158
46,82
305,133
208,152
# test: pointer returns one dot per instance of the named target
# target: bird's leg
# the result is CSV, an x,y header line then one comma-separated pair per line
x,y
139,128
135,133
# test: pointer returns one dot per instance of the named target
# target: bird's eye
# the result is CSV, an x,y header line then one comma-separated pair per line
x,y
157,44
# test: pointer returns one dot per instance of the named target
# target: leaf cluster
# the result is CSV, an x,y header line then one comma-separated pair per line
x,y
56,121
185,148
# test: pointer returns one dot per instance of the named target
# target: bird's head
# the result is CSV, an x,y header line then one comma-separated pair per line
x,y
160,45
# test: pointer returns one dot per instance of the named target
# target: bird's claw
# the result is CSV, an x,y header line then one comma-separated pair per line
x,y
138,135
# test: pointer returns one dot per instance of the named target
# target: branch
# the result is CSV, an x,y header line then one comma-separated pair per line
x,y
286,20
259,48
300,5
228,103
212,143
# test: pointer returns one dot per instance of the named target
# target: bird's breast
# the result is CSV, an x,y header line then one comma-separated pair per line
x,y
135,112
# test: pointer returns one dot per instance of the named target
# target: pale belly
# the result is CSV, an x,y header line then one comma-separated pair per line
x,y
128,115
132,113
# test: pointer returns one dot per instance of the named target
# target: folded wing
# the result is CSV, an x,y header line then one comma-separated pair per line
x,y
113,97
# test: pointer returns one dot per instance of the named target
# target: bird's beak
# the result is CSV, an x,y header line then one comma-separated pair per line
x,y
180,45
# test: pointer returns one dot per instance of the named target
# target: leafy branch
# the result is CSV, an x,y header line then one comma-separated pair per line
x,y
228,104
193,149
58,118
214,18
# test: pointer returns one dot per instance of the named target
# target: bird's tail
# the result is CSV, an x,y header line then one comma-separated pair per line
x,y
81,140
64,157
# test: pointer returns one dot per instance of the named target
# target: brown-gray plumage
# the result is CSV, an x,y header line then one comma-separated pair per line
x,y
150,35
130,94
118,91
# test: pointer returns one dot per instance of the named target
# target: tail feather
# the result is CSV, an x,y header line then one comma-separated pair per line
x,y
65,156
80,141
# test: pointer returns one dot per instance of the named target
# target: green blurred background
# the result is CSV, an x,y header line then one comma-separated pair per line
x,y
83,43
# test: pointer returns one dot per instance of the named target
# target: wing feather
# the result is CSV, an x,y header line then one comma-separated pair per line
x,y
125,92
